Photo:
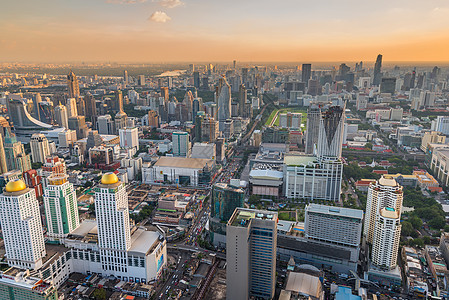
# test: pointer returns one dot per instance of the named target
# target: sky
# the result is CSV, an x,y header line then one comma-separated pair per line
x,y
223,30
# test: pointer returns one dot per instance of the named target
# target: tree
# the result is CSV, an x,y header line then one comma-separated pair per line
x,y
438,222
99,294
369,146
426,239
407,228
416,222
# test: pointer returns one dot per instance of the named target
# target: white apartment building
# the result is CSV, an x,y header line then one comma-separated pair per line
x,y
386,238
181,144
129,138
40,148
21,225
385,192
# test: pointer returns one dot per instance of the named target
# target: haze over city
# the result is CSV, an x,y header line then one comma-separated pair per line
x,y
201,30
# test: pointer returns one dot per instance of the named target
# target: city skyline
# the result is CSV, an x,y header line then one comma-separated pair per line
x,y
174,30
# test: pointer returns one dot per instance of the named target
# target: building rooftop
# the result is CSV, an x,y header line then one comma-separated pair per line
x,y
388,180
242,216
184,162
304,284
298,160
266,174
389,212
144,241
335,210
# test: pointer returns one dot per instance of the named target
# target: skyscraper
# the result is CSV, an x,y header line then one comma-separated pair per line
x,y
387,235
3,166
196,79
121,117
330,136
114,235
61,207
105,124
251,240
78,123
129,138
181,144
242,101
15,156
21,224
312,129
125,77
61,116
224,102
306,73
93,139
72,110
377,70
73,86
141,80
39,147
385,192
225,199
91,108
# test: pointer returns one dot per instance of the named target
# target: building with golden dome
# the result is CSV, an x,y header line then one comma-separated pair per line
x,y
21,224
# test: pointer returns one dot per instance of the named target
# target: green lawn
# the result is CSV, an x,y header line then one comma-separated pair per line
x,y
285,110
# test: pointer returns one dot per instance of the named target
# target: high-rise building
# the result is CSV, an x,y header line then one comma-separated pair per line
x,y
73,86
388,85
114,235
61,207
21,225
225,199
330,136
125,77
181,144
93,139
377,70
224,102
105,124
335,225
196,79
61,116
72,110
385,192
23,286
209,130
242,101
306,73
387,235
91,107
39,147
78,124
153,119
129,138
141,80
251,239
3,165
441,124
53,165
15,156
196,107
312,127
120,118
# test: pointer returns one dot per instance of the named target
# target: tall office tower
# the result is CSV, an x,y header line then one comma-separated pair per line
x,y
251,240
153,119
331,224
165,94
21,224
224,102
209,130
39,147
125,77
192,68
73,86
330,136
72,110
388,85
181,144
93,140
141,80
121,117
196,79
225,199
61,207
91,107
306,73
386,240
196,107
3,165
117,105
105,124
78,124
188,105
81,106
313,126
242,101
427,99
114,235
15,156
129,138
61,116
385,192
234,64
377,70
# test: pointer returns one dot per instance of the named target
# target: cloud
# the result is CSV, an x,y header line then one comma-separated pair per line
x,y
159,17
170,3
126,1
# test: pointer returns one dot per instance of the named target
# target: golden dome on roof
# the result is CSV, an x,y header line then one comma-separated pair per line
x,y
16,185
109,178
